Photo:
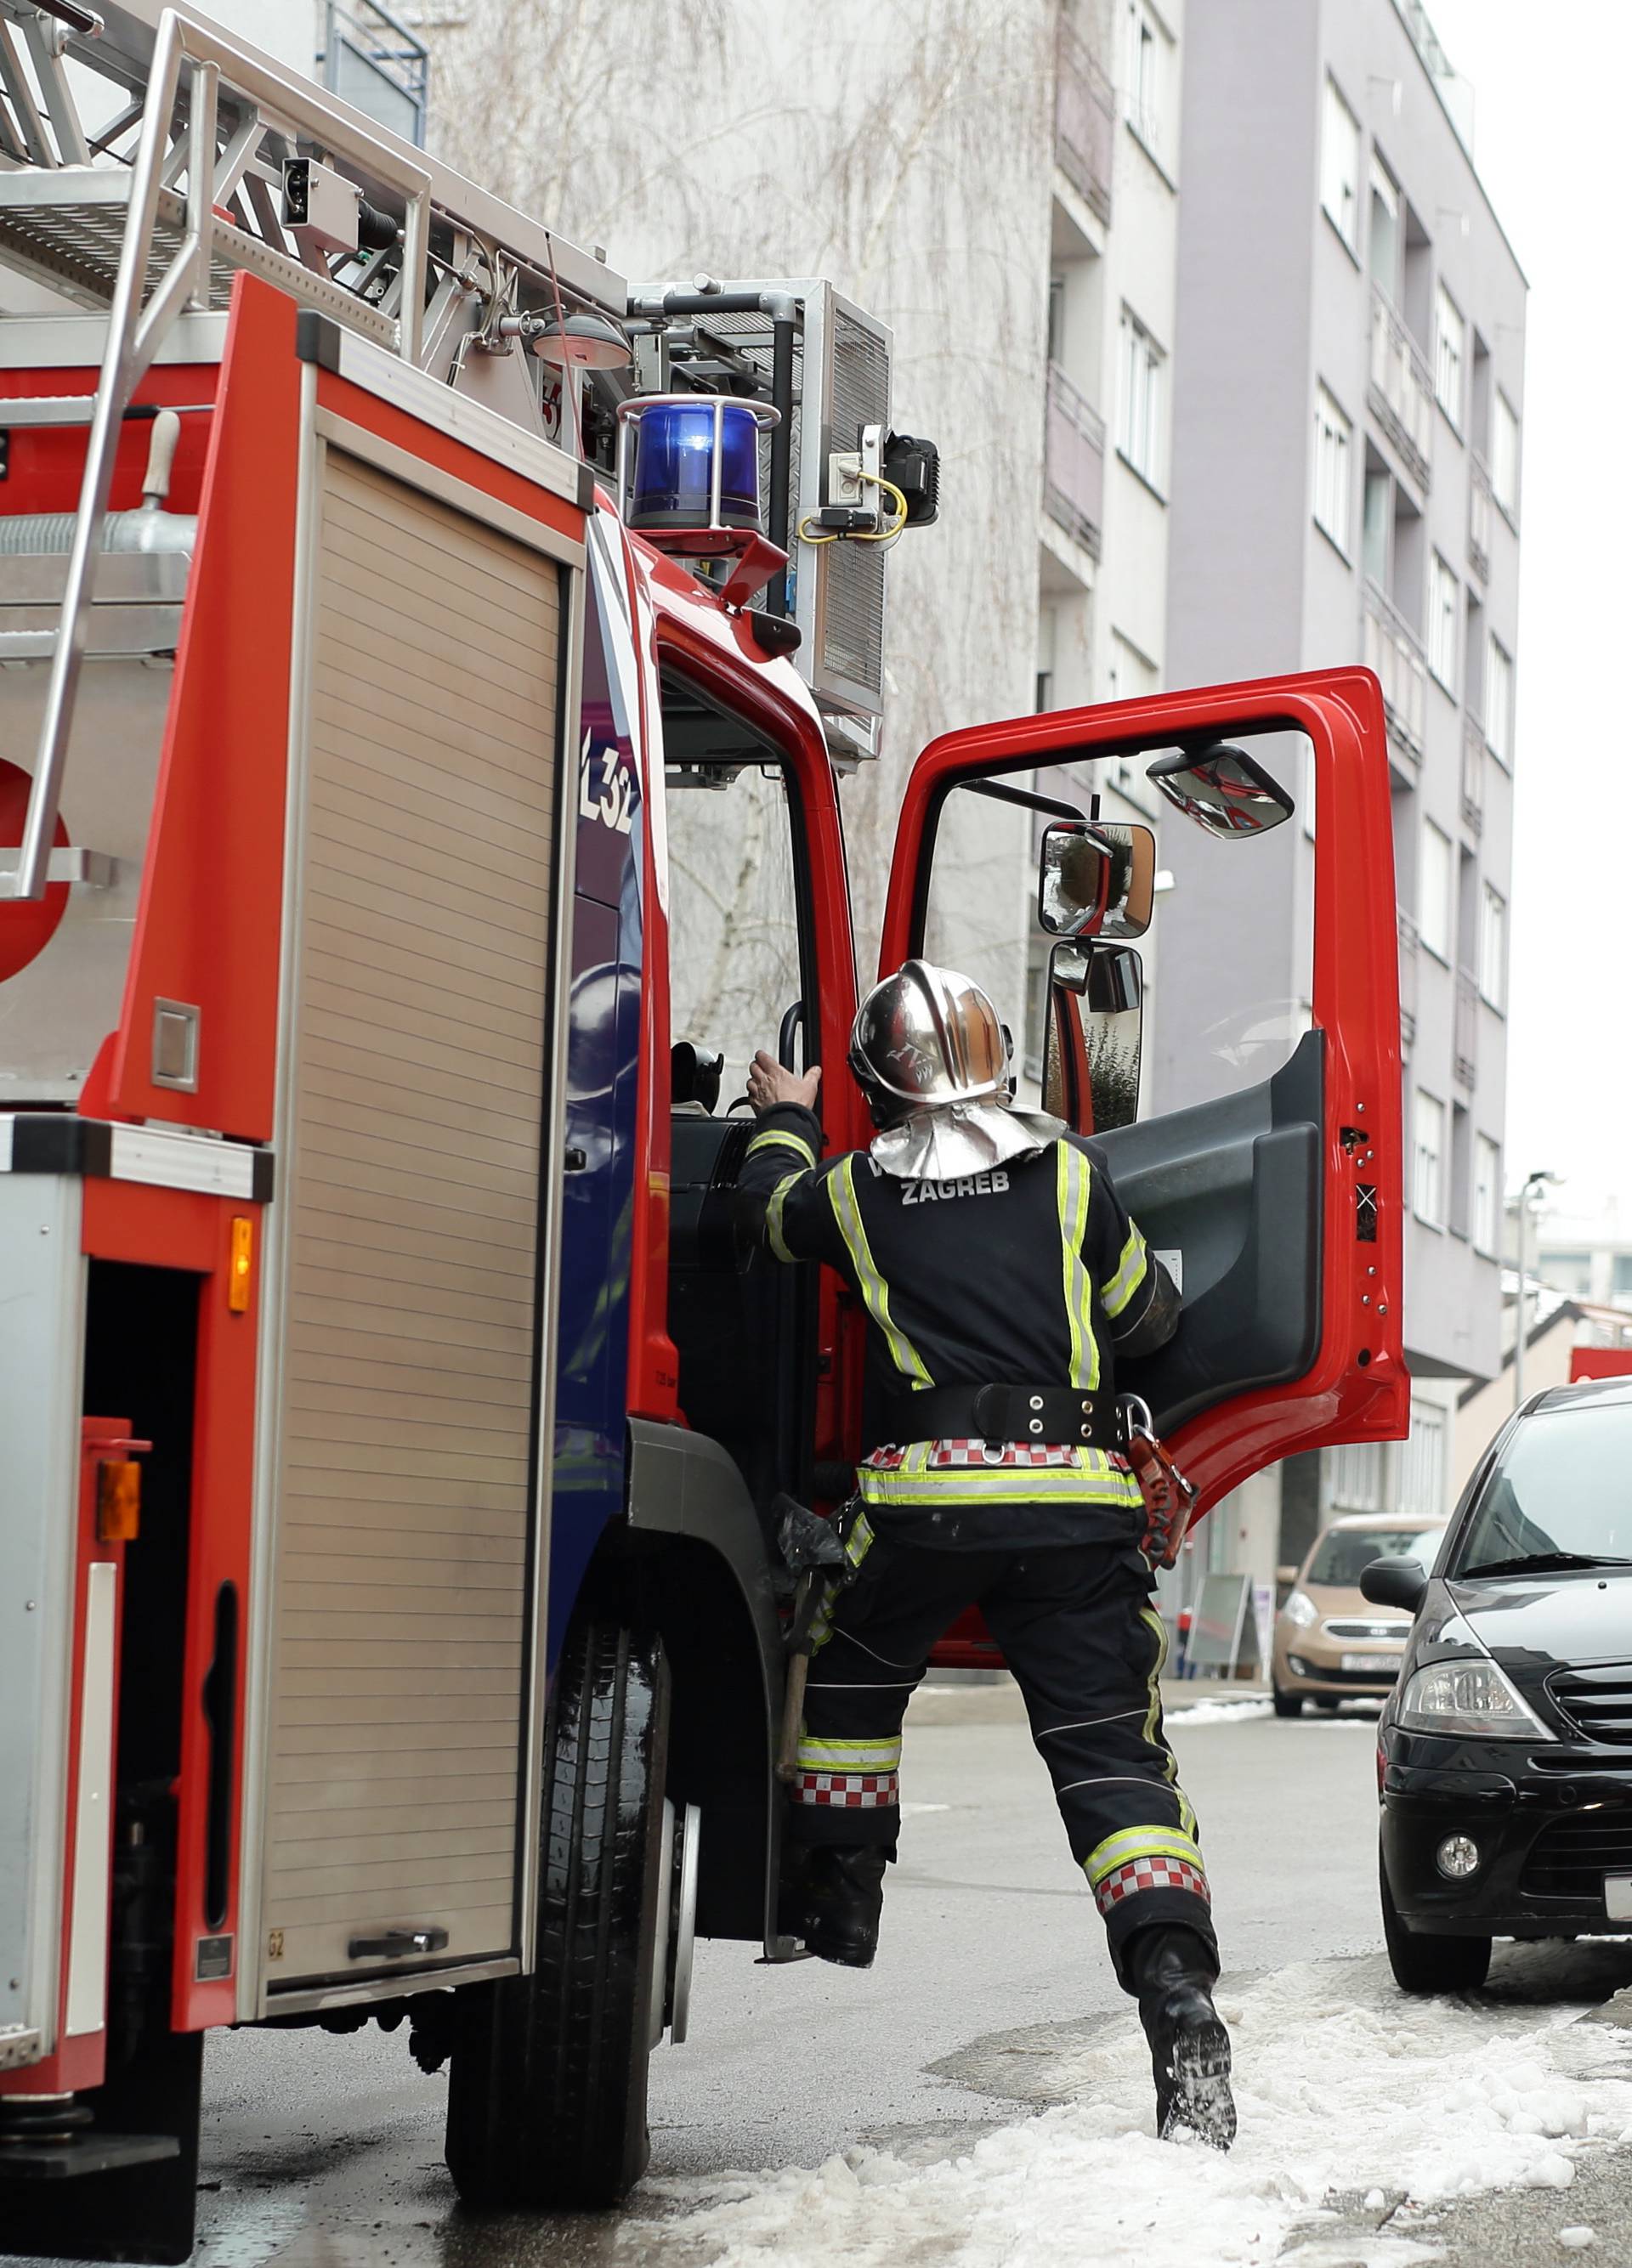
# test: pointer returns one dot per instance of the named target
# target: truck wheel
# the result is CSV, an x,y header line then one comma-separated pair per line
x,y
1422,1963
1288,1704
547,2088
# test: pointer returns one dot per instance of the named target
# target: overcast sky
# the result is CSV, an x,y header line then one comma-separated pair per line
x,y
1550,151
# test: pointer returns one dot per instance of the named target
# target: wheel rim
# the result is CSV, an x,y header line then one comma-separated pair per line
x,y
689,1859
665,1900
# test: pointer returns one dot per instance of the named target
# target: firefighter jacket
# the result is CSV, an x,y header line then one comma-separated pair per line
x,y
1030,1274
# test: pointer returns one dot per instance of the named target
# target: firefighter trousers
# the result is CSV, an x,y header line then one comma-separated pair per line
x,y
1086,1646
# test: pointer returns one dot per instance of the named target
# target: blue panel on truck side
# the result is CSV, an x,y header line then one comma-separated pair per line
x,y
602,1068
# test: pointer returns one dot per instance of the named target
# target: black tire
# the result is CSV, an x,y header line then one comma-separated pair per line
x,y
1425,1965
1328,1702
547,2088
1287,1704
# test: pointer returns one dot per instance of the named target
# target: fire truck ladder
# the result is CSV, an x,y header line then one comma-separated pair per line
x,y
151,211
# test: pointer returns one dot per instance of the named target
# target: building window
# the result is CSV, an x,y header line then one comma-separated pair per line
x,y
1450,355
1499,700
1334,485
1487,1194
1423,1464
1504,454
1444,604
1142,405
1148,46
1339,167
1357,1476
1056,318
1427,1172
1493,948
1133,676
1434,891
1387,240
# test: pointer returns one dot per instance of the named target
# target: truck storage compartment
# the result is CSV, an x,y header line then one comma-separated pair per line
x,y
406,1354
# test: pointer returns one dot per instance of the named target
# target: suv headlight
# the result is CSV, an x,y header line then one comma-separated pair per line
x,y
1300,1610
1470,1696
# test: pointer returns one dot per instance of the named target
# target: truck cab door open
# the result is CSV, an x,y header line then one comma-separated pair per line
x,y
1264,1164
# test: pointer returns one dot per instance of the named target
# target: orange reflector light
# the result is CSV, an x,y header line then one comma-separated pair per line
x,y
118,1501
237,1267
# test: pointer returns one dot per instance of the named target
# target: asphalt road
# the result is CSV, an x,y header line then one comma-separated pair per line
x,y
322,2151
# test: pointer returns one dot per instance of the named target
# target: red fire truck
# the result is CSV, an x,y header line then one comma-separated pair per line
x,y
420,762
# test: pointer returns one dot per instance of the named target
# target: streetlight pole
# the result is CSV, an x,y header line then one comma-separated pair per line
x,y
1533,1181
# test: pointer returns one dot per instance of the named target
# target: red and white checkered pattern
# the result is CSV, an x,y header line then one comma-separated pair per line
x,y
1155,1873
975,1453
848,1791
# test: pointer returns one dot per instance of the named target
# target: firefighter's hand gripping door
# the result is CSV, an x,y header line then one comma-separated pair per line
x,y
1185,908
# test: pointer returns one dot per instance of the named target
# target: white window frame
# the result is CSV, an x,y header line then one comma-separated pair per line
x,y
1422,1467
1445,608
1357,1476
1427,1160
1504,455
1334,480
1340,166
1493,948
1148,77
1141,401
1436,914
1498,704
1381,184
1486,1195
1450,356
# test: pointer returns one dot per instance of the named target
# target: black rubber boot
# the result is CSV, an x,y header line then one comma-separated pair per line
x,y
835,1904
1172,1971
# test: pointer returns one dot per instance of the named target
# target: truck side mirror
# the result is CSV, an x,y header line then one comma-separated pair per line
x,y
1095,1021
1221,789
1096,881
1394,1583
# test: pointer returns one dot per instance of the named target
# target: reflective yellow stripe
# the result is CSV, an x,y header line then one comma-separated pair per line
x,y
774,1216
841,1190
1140,1843
1075,1189
1151,1729
858,1543
1094,1480
781,1137
1129,1276
850,1755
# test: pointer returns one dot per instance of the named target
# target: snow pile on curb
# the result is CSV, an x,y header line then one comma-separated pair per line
x,y
1212,1713
1342,2084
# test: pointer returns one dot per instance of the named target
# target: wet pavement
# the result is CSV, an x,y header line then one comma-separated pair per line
x,y
322,2151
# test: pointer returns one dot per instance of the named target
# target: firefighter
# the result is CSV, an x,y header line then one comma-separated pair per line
x,y
1002,1279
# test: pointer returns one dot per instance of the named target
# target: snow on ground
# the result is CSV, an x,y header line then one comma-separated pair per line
x,y
1343,2086
1212,1713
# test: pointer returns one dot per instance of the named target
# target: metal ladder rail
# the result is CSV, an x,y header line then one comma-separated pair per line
x,y
133,336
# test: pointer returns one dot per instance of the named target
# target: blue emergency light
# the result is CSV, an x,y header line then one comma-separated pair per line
x,y
689,465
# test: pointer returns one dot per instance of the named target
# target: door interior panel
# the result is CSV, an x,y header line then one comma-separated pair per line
x,y
744,1333
1235,1188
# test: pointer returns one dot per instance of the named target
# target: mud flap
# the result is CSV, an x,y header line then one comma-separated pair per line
x,y
85,2199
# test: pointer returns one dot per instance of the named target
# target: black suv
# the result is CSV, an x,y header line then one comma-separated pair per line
x,y
1504,1755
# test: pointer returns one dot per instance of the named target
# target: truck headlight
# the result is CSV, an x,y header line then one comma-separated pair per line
x,y
1300,1610
1473,1697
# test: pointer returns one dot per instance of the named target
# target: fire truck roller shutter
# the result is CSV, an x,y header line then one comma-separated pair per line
x,y
415,1072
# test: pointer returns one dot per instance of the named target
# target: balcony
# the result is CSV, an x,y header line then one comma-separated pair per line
x,y
1465,1046
1408,981
1481,507
1074,462
1084,120
1472,776
1402,388
1395,653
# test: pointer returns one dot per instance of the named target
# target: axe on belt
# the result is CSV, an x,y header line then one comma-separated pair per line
x,y
813,1551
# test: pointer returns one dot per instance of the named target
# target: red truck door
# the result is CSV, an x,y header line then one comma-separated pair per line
x,y
1259,1147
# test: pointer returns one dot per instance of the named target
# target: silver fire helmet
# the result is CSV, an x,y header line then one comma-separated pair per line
x,y
927,1038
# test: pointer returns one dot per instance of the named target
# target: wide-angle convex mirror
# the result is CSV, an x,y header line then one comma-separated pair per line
x,y
1221,789
1096,881
1095,1026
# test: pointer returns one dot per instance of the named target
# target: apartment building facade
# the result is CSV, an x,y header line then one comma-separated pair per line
x,y
1347,434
